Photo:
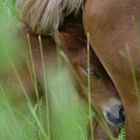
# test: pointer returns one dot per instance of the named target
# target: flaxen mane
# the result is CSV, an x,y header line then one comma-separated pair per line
x,y
44,15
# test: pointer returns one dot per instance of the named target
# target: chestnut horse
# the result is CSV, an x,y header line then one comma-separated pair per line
x,y
42,17
113,27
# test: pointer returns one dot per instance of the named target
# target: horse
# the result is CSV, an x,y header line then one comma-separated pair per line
x,y
42,18
113,27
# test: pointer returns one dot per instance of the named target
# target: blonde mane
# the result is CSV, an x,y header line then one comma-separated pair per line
x,y
44,15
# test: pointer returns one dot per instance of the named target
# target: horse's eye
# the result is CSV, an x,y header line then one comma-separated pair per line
x,y
93,74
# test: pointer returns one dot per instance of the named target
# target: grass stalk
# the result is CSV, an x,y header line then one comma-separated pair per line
x,y
45,86
89,89
133,72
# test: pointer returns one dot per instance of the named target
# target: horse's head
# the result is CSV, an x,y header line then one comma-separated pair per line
x,y
103,93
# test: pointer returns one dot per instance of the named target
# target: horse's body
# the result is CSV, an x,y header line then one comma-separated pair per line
x,y
112,26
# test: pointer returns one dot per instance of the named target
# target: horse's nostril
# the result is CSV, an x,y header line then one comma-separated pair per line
x,y
121,114
115,119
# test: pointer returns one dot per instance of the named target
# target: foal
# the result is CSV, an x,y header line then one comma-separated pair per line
x,y
103,93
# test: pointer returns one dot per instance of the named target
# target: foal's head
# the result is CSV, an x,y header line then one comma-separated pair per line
x,y
103,93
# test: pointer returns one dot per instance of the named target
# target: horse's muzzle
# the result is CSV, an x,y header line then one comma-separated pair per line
x,y
115,116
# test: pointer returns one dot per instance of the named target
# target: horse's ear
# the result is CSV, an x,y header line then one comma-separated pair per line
x,y
73,47
70,44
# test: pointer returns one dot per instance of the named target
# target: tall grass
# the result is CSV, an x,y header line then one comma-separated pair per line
x,y
61,114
